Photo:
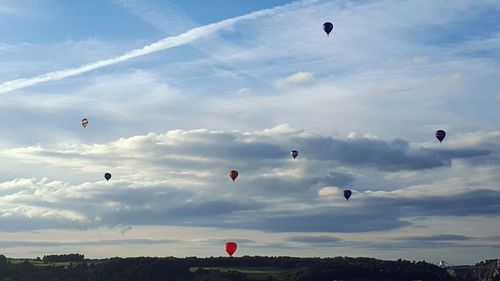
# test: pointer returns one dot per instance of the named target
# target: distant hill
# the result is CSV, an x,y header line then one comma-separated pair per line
x,y
73,267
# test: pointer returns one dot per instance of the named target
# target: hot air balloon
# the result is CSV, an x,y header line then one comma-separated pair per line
x,y
107,176
233,174
230,248
328,27
440,135
294,153
84,122
347,194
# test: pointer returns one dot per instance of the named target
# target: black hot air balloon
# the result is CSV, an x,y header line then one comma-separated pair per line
x,y
294,153
328,27
107,176
347,194
440,135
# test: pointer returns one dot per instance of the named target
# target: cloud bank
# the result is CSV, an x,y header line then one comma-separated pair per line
x,y
179,178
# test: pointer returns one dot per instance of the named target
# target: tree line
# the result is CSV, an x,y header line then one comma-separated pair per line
x,y
74,267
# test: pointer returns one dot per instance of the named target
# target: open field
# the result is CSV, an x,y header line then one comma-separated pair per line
x,y
256,272
40,263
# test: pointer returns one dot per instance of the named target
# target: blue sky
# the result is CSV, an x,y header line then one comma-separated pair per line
x,y
178,93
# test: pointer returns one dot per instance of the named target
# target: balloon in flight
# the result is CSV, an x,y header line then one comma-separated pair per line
x,y
84,122
230,248
107,176
347,194
294,153
233,174
440,135
328,27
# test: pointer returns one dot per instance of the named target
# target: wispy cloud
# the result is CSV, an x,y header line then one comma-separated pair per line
x,y
13,47
25,243
316,239
297,78
164,44
168,17
9,10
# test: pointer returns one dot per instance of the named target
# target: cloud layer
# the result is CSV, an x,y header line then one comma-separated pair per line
x,y
179,178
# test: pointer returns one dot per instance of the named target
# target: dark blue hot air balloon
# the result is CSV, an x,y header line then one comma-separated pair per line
x,y
347,194
328,27
440,135
107,176
294,153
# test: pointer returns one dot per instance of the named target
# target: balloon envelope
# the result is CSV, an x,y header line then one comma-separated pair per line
x,y
328,27
347,194
84,122
107,176
440,135
294,153
233,174
230,248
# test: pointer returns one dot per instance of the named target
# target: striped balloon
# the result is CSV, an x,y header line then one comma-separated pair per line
x,y
84,122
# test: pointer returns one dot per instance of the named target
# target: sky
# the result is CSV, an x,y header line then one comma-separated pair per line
x,y
180,92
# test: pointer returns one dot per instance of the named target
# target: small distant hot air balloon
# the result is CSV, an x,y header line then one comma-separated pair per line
x,y
84,122
107,176
440,135
233,174
230,248
347,194
294,153
328,27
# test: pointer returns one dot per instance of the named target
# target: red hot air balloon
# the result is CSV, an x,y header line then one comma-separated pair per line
x,y
440,135
328,27
233,174
294,153
230,248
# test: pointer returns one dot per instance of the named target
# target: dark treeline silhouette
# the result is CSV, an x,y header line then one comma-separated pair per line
x,y
222,268
488,270
63,258
115,269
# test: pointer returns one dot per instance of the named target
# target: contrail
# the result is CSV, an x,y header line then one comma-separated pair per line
x,y
166,43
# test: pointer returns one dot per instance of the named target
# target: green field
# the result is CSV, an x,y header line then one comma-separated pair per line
x,y
40,263
256,272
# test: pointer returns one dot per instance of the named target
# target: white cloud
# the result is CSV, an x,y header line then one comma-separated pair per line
x,y
14,47
282,130
330,191
297,78
356,135
352,135
167,17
